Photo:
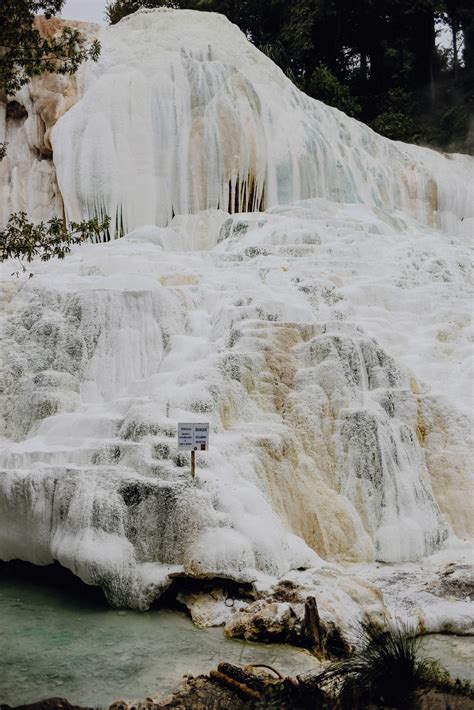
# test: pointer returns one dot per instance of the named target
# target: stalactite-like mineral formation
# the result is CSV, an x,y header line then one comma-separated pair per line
x,y
303,285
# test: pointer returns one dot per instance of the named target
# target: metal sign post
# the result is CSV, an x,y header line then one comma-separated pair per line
x,y
193,436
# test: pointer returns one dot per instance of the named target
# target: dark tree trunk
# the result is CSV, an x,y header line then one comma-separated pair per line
x,y
467,27
454,30
423,48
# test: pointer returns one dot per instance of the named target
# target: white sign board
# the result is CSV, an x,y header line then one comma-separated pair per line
x,y
193,436
185,437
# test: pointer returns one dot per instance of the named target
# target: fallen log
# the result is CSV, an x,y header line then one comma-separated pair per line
x,y
241,688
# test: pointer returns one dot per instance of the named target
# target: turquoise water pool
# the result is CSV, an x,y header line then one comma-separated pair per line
x,y
59,638
62,640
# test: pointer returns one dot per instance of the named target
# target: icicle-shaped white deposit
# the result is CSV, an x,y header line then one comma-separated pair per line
x,y
327,343
183,114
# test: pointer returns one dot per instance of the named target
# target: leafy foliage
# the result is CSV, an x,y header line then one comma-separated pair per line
x,y
23,240
324,86
25,53
395,125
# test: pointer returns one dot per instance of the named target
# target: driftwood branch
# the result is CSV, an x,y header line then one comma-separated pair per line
x,y
239,687
264,665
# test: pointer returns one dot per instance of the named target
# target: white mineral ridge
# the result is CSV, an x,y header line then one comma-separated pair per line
x,y
181,114
327,339
318,340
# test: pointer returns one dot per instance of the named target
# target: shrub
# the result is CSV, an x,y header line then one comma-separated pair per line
x,y
23,240
323,85
395,125
388,671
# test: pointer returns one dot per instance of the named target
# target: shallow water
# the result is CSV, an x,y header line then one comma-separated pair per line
x,y
59,638
455,653
64,641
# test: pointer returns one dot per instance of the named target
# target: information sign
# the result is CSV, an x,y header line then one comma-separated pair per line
x,y
185,437
193,436
201,437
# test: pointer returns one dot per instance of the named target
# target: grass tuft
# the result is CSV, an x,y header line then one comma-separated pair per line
x,y
388,671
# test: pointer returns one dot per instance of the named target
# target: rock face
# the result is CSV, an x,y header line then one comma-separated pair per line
x,y
317,338
27,173
329,627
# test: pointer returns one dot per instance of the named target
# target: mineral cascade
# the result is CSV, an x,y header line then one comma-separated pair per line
x,y
289,276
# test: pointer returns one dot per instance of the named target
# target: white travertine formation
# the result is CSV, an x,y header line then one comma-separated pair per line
x,y
326,341
182,114
27,174
309,337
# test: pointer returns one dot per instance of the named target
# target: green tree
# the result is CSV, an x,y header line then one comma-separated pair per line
x,y
25,53
22,240
324,86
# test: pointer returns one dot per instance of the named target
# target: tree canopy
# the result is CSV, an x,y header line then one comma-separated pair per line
x,y
24,53
378,60
22,240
